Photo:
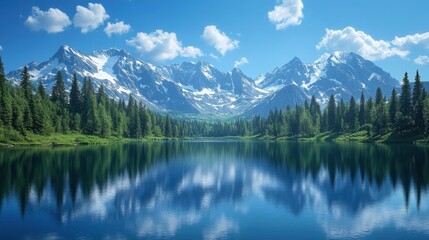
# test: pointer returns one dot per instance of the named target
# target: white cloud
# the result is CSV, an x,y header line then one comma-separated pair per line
x,y
219,40
191,52
160,46
117,28
240,62
89,18
350,40
422,60
212,55
288,13
415,39
51,21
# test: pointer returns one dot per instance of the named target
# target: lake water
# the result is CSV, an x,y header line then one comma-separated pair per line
x,y
215,189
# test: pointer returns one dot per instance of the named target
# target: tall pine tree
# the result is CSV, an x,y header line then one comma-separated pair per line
x,y
5,100
331,113
353,115
59,91
26,84
393,108
362,109
75,96
405,104
418,101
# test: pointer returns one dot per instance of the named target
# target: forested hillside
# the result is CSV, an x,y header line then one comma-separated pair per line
x,y
28,109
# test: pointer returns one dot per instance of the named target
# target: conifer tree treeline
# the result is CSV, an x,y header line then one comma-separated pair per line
x,y
31,110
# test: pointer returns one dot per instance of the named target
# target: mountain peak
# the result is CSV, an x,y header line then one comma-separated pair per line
x,y
295,60
236,70
64,53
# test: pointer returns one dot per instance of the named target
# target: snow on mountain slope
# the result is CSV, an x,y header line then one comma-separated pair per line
x,y
180,88
340,74
199,87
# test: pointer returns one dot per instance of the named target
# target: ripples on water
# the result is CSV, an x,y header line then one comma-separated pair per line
x,y
215,189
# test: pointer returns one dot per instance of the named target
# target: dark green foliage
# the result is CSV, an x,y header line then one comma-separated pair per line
x,y
331,113
405,98
5,100
362,112
42,91
59,91
393,108
96,114
378,96
352,115
75,96
26,84
418,102
405,106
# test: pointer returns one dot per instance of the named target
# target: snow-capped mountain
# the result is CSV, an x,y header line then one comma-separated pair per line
x,y
181,88
341,74
201,88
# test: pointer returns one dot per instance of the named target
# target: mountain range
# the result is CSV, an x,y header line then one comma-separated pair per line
x,y
200,88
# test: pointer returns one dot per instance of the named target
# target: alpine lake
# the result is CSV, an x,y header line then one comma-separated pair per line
x,y
216,189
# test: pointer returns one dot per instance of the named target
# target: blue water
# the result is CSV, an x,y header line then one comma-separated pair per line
x,y
215,190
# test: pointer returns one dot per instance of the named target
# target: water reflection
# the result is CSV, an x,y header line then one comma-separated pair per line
x,y
159,190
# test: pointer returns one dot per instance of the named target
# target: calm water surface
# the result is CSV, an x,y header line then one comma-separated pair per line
x,y
212,190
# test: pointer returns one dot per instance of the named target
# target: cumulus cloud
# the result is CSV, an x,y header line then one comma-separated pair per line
x,y
51,21
240,62
161,46
422,60
89,18
288,13
219,40
191,52
118,28
351,40
415,39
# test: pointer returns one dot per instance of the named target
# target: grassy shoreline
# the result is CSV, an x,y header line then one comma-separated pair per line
x,y
75,139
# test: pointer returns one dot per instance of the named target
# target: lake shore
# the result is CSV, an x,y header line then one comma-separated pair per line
x,y
76,139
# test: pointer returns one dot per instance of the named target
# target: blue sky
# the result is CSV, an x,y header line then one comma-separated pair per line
x,y
256,35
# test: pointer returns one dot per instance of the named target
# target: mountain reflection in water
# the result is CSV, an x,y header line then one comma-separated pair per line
x,y
216,189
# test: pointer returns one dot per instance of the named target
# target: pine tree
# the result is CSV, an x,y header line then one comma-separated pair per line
x,y
378,96
168,128
18,115
75,96
26,84
353,115
105,122
369,112
418,101
28,118
59,91
41,90
393,108
5,99
92,125
331,113
405,105
40,119
362,110
134,127
315,111
144,120
426,115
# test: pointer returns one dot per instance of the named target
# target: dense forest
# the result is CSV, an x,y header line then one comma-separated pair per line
x,y
27,109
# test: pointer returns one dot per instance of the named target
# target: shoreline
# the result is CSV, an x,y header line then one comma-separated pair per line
x,y
59,140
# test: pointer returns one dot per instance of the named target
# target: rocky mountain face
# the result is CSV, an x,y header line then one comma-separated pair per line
x,y
200,88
